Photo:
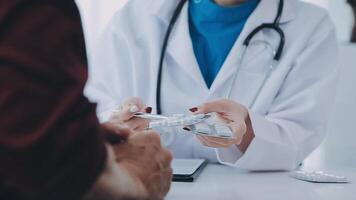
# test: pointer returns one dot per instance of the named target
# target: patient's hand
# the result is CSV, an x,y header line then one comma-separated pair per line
x,y
123,117
144,158
138,168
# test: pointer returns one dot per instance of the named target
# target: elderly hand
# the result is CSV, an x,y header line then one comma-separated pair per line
x,y
123,117
138,168
143,157
236,116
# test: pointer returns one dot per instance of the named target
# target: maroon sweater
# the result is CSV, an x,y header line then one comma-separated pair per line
x,y
353,5
51,146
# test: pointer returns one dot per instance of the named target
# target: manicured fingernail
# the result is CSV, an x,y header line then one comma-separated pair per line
x,y
148,110
193,109
134,109
186,129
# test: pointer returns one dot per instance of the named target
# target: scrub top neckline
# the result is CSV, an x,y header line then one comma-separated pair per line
x,y
213,12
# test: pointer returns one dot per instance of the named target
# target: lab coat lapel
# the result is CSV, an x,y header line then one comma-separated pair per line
x,y
264,13
180,49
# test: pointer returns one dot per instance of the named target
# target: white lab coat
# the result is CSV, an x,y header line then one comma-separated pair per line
x,y
290,115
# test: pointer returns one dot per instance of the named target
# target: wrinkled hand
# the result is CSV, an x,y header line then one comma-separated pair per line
x,y
230,112
123,117
143,157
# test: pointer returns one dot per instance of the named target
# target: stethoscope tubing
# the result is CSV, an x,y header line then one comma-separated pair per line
x,y
277,54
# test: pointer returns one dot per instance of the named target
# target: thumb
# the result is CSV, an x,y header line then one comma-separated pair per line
x,y
114,133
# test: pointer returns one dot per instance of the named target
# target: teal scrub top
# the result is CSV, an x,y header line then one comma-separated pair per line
x,y
214,30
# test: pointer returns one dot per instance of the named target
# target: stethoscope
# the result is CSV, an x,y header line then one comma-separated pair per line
x,y
276,53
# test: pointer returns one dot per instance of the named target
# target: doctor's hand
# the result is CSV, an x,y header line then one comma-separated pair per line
x,y
144,158
123,117
237,118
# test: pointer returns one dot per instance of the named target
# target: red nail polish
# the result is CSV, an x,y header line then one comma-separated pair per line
x,y
148,109
186,129
193,109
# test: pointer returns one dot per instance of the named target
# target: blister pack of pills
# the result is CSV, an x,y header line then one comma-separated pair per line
x,y
178,120
219,130
212,127
318,177
201,124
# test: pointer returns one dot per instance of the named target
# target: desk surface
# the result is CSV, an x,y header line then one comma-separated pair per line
x,y
224,183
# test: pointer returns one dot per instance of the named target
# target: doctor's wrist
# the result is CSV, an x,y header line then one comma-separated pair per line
x,y
248,137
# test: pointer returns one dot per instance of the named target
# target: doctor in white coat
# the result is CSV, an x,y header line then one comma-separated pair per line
x,y
285,122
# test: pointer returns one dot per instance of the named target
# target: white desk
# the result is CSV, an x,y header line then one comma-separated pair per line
x,y
224,183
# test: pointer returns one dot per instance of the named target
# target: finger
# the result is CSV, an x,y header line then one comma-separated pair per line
x,y
216,142
219,106
223,117
117,128
142,127
164,158
130,107
147,110
123,113
204,142
136,123
114,133
134,101
220,141
141,106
